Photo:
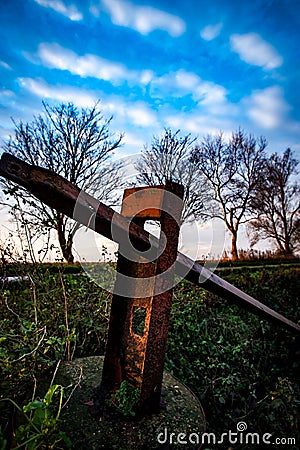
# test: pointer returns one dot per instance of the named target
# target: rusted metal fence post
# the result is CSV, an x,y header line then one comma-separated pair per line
x,y
132,353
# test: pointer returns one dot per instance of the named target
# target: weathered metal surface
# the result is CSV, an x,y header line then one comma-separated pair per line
x,y
63,196
58,193
124,354
144,206
139,358
161,303
135,344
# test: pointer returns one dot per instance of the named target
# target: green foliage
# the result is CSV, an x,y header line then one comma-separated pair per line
x,y
47,315
39,427
45,318
16,269
126,399
241,368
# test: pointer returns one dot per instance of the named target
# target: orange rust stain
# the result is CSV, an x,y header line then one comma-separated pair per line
x,y
143,202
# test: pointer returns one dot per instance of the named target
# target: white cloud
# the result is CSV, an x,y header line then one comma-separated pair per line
x,y
146,76
42,89
180,83
143,19
130,113
210,32
5,65
55,56
199,123
173,84
6,93
135,113
254,50
210,94
69,11
267,107
141,115
95,10
133,140
185,80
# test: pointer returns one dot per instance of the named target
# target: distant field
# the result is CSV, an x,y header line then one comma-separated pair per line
x,y
17,269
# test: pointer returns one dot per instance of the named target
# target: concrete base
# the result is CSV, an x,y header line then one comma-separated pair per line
x,y
183,414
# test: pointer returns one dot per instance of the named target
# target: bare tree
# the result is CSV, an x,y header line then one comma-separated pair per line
x,y
76,144
169,158
232,168
276,204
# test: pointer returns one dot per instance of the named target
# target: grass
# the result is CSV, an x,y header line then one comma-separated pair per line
x,y
242,368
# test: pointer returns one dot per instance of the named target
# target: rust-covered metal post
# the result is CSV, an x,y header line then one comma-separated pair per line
x,y
141,304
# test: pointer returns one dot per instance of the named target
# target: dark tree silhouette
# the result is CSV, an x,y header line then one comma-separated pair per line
x,y
169,158
276,204
76,144
232,169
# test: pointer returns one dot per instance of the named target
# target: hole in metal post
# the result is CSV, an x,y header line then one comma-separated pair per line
x,y
138,320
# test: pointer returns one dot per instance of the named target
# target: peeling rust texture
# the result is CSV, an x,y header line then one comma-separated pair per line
x,y
130,356
161,303
143,203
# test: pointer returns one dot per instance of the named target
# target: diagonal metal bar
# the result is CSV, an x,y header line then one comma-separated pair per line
x,y
60,194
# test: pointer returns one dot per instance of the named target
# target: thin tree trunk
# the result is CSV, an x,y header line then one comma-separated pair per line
x,y
287,247
234,252
65,244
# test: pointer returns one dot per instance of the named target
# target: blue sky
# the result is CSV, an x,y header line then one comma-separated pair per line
x,y
198,66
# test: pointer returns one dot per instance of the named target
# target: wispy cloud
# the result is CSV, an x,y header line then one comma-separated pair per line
x,y
137,113
141,115
210,94
69,11
143,19
42,89
181,83
58,57
5,65
200,123
267,107
133,113
210,32
252,49
133,141
6,93
55,56
185,81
